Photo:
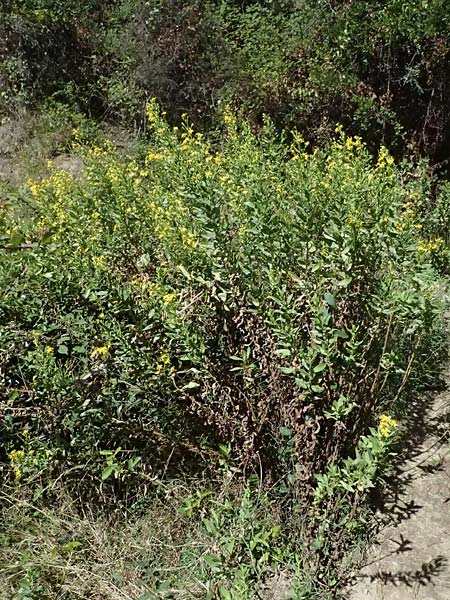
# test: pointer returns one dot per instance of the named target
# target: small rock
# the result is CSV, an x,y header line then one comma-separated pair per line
x,y
70,163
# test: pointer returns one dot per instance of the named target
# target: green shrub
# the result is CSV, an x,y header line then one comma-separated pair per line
x,y
256,296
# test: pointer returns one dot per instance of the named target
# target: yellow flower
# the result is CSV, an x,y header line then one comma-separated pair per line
x,y
16,457
49,349
152,156
99,261
164,358
34,189
387,425
101,350
152,112
430,245
385,160
229,118
162,361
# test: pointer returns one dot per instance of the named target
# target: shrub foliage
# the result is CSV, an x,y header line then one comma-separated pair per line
x,y
253,295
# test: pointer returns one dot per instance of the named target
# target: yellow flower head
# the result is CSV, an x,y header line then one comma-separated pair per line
x,y
101,350
387,426
169,297
385,160
162,361
430,246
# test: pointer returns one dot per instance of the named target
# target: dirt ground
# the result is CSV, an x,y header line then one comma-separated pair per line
x,y
410,556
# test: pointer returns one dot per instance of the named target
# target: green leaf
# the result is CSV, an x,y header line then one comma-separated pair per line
x,y
341,334
47,238
63,349
301,383
283,352
345,282
316,544
108,472
184,271
286,432
210,526
213,561
38,493
225,450
287,370
346,486
225,594
70,547
229,545
133,462
330,299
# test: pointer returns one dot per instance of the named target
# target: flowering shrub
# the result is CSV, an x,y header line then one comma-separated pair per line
x,y
31,460
254,295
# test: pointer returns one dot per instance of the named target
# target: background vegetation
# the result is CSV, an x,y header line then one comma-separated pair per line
x,y
220,293
379,68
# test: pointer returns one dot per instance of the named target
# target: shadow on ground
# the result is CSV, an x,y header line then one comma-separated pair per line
x,y
409,554
425,429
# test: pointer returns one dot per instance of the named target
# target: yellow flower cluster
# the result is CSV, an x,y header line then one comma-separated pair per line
x,y
52,193
168,298
101,351
229,118
385,160
152,156
34,188
428,246
152,112
387,426
16,457
145,286
163,364
27,461
142,284
354,143
98,152
113,174
162,361
187,239
408,217
99,261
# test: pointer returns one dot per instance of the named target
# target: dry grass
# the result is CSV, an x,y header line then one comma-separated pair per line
x,y
58,553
